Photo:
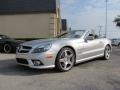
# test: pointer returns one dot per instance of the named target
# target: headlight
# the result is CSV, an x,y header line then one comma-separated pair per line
x,y
42,48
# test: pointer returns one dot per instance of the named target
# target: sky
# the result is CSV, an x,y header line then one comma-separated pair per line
x,y
90,14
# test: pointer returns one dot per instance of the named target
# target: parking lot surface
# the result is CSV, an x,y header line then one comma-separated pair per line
x,y
93,75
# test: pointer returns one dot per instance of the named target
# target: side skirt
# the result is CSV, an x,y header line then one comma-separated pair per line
x,y
89,58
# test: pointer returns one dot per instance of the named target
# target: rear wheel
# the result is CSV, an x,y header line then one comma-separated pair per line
x,y
65,59
119,45
7,48
107,53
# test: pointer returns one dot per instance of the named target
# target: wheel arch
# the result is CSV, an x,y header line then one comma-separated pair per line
x,y
65,47
109,46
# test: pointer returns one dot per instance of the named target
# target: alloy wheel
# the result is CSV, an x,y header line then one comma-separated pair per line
x,y
66,59
107,52
7,48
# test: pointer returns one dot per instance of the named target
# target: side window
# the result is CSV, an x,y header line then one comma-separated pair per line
x,y
89,36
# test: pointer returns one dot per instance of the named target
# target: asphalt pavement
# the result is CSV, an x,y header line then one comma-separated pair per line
x,y
93,75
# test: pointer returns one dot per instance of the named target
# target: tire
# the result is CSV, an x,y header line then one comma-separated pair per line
x,y
65,59
7,48
119,45
107,53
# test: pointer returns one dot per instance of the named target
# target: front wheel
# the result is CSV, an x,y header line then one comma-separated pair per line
x,y
107,52
7,48
65,59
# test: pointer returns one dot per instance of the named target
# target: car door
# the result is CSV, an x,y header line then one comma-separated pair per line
x,y
78,45
92,47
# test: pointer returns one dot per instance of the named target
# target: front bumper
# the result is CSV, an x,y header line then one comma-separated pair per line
x,y
29,58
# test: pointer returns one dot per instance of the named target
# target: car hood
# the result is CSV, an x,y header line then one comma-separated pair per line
x,y
17,42
45,41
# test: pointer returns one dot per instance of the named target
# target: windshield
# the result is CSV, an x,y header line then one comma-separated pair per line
x,y
73,34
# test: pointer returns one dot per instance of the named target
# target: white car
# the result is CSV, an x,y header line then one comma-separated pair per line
x,y
64,52
116,42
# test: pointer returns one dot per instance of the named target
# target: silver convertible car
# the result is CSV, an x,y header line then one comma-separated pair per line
x,y
64,52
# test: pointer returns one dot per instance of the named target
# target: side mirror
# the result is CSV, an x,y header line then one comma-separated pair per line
x,y
90,38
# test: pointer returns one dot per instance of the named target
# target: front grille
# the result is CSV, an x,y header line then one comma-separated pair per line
x,y
24,49
22,61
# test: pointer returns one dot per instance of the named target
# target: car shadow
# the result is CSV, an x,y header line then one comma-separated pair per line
x,y
10,67
87,64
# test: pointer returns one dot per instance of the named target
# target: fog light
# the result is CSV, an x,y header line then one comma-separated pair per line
x,y
37,62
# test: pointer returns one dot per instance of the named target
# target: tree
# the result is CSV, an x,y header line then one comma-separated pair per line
x,y
117,21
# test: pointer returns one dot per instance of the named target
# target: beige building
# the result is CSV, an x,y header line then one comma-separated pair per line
x,y
30,18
